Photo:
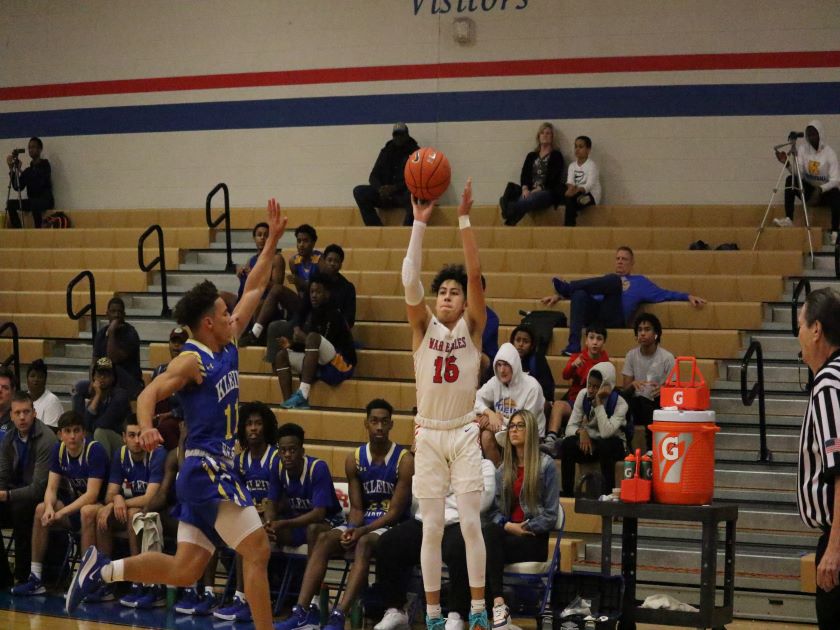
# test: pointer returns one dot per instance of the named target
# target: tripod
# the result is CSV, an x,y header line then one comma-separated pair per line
x,y
791,165
14,176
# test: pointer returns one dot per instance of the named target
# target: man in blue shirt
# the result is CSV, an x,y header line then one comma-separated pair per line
x,y
78,468
610,300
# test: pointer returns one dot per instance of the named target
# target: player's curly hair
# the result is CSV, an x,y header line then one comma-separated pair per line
x,y
269,420
195,304
450,272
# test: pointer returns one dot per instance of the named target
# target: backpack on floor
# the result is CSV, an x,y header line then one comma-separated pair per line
x,y
57,220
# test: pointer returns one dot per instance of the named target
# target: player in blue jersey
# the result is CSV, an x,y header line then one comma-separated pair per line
x,y
78,469
213,507
257,437
302,496
379,475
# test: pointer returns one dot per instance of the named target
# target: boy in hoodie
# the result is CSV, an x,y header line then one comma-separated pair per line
x,y
595,432
820,176
507,392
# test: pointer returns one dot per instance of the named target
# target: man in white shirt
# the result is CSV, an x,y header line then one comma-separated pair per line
x,y
47,405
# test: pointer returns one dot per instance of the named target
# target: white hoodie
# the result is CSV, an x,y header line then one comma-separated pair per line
x,y
598,424
819,166
523,391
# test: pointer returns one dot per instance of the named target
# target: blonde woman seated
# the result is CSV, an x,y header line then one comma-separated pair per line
x,y
525,509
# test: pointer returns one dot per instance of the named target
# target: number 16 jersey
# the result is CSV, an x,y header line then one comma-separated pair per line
x,y
446,367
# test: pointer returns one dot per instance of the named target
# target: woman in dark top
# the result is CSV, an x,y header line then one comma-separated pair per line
x,y
36,179
541,180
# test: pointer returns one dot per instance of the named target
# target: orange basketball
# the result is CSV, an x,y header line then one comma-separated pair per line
x,y
427,173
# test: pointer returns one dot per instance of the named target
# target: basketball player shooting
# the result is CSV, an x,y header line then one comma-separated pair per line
x,y
214,506
447,351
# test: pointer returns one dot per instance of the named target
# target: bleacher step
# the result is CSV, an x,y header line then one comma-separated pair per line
x,y
779,405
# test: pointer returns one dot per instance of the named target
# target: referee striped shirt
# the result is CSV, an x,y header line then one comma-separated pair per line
x,y
819,447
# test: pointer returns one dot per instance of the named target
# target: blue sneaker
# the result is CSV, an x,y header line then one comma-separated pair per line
x,y
435,623
563,288
301,619
244,613
206,603
104,593
152,597
32,586
130,598
188,601
229,612
336,621
88,578
295,401
479,621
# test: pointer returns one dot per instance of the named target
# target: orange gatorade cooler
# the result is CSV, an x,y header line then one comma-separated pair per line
x,y
683,456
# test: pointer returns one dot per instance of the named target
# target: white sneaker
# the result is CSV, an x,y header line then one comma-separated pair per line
x,y
454,622
392,619
501,617
783,222
832,238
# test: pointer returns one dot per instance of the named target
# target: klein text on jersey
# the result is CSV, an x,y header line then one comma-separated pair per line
x,y
227,383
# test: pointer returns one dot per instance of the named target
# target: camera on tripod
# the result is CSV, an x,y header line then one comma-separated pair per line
x,y
793,135
17,152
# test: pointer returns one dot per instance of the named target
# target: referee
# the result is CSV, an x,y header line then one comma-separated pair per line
x,y
819,445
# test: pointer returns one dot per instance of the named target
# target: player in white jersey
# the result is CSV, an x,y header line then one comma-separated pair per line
x,y
447,351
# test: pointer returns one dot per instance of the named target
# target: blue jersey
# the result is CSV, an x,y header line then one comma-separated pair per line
x,y
92,462
311,489
303,270
256,473
211,408
133,476
378,479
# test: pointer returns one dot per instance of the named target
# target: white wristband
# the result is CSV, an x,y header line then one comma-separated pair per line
x,y
463,221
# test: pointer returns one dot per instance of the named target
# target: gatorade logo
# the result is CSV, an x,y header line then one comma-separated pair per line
x,y
672,448
679,397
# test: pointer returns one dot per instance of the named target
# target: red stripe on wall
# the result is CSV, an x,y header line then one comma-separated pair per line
x,y
529,67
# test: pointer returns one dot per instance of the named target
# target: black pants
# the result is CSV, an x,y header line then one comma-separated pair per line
x,y
828,603
368,200
830,199
36,206
504,548
574,205
19,516
606,451
641,410
397,553
586,310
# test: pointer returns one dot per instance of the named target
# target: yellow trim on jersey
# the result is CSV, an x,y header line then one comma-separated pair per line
x,y
399,460
357,455
223,493
198,357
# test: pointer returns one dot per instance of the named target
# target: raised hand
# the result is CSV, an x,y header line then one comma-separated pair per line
x,y
466,199
276,220
422,209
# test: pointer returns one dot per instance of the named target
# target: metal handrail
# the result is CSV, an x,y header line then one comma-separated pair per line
x,y
748,396
805,284
225,216
161,259
15,356
90,307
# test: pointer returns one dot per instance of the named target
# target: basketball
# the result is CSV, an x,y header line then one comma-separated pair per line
x,y
427,173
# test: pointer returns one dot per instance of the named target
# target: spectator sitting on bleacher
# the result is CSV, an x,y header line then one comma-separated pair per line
x,y
595,432
37,180
260,234
48,407
104,406
398,552
541,179
8,387
524,511
168,412
489,339
257,436
134,479
302,502
583,186
379,475
322,349
645,369
386,188
119,342
509,391
78,469
24,467
612,299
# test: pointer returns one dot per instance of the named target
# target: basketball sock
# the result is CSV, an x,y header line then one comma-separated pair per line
x,y
240,595
208,590
433,611
304,389
257,329
37,569
430,549
469,508
114,571
476,605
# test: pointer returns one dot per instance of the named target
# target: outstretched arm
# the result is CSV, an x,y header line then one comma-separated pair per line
x,y
258,278
416,309
476,308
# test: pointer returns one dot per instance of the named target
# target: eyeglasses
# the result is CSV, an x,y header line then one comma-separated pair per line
x,y
518,426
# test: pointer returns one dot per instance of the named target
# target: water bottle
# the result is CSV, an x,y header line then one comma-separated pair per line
x,y
171,596
324,604
357,615
629,466
646,467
